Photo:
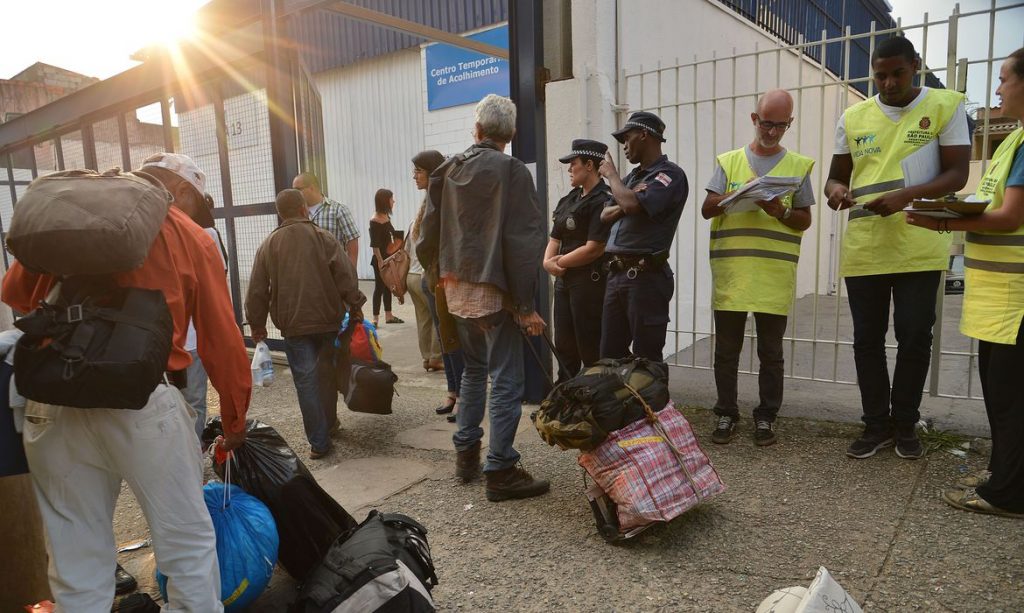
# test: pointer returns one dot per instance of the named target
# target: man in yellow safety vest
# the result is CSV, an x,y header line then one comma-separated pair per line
x,y
755,247
903,144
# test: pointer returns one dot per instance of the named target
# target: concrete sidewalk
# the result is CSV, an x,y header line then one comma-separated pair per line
x,y
877,525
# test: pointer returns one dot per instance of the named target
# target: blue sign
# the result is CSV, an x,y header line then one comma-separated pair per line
x,y
459,76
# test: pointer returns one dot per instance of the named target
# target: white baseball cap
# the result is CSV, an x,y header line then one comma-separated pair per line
x,y
181,165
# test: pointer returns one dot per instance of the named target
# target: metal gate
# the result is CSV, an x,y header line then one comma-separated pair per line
x,y
211,104
706,104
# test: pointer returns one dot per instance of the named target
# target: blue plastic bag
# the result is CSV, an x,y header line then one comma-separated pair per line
x,y
246,545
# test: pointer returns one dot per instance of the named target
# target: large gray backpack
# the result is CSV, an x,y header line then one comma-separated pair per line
x,y
81,222
91,344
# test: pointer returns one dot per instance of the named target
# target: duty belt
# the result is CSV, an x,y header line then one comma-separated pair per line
x,y
634,264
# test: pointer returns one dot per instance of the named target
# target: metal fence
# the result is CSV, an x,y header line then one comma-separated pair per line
x,y
219,116
706,104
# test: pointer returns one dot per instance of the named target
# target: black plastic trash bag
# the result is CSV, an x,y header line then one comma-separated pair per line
x,y
308,518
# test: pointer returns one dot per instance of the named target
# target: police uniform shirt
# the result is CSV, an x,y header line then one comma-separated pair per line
x,y
577,218
662,198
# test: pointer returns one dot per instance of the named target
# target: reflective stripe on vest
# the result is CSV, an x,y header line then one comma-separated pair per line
x,y
878,146
994,262
753,255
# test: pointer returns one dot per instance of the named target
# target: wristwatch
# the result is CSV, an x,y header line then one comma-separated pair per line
x,y
786,215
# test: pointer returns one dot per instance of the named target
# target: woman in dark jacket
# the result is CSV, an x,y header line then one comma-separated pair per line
x,y
575,255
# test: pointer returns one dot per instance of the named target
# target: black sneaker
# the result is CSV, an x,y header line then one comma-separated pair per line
x,y
725,431
514,482
124,582
135,603
908,446
467,463
869,443
764,433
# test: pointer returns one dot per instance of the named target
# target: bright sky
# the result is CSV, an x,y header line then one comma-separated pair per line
x,y
93,38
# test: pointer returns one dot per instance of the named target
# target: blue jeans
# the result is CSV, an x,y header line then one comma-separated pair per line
x,y
453,362
496,351
311,360
195,392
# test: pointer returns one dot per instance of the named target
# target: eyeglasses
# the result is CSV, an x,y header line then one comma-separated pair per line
x,y
768,126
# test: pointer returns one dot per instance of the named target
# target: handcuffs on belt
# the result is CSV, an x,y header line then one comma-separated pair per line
x,y
635,264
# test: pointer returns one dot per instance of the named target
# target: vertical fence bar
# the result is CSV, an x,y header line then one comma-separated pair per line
x,y
122,137
923,73
679,157
791,324
89,147
165,118
839,286
229,200
59,150
696,156
714,147
871,53
935,367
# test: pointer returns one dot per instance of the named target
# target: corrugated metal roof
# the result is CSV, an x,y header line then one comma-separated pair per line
x,y
328,40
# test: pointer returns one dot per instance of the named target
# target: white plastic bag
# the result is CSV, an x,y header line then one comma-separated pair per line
x,y
262,367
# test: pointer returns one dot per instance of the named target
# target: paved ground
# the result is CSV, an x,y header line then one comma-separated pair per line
x,y
877,524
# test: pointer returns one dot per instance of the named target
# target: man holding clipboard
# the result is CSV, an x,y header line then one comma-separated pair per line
x,y
904,144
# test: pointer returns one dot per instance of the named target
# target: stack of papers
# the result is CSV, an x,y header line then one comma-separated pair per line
x,y
949,207
761,188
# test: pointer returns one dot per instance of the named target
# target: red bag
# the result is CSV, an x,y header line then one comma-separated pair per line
x,y
364,345
653,469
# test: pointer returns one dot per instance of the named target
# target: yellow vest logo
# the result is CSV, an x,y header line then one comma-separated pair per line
x,y
862,142
925,123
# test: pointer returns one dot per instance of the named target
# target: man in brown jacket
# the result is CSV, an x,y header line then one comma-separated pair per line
x,y
306,283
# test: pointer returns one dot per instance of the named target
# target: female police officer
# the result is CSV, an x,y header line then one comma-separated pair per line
x,y
575,255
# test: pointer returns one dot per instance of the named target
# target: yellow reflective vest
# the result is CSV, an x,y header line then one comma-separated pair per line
x,y
994,262
753,255
875,245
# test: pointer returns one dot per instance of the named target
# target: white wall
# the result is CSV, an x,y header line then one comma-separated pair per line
x,y
375,121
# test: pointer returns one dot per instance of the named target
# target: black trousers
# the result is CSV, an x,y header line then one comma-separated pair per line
x,y
636,312
1000,369
729,328
579,303
380,290
913,298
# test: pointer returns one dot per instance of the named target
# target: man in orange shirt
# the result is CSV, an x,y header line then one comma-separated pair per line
x,y
78,457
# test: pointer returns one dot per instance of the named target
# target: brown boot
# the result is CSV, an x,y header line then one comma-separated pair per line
x,y
467,463
512,483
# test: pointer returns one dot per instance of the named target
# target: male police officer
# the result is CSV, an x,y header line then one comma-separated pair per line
x,y
903,127
648,203
753,262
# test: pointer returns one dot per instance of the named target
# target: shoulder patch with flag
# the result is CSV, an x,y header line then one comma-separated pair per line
x,y
663,178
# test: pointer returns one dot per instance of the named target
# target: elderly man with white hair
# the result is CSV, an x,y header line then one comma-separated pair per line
x,y
485,204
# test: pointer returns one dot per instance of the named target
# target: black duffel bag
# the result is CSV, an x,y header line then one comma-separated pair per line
x,y
382,566
370,387
107,347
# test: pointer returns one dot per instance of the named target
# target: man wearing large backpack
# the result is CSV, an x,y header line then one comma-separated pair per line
x,y
78,457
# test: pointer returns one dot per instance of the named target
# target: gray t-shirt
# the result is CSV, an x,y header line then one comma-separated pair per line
x,y
762,165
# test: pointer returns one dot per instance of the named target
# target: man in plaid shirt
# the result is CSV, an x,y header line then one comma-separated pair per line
x,y
332,216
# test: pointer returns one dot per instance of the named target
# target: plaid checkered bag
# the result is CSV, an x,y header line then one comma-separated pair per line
x,y
653,470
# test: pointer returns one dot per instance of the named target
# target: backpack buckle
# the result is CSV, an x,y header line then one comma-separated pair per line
x,y
75,314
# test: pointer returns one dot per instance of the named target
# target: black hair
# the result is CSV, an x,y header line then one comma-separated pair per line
x,y
382,201
1017,66
896,46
